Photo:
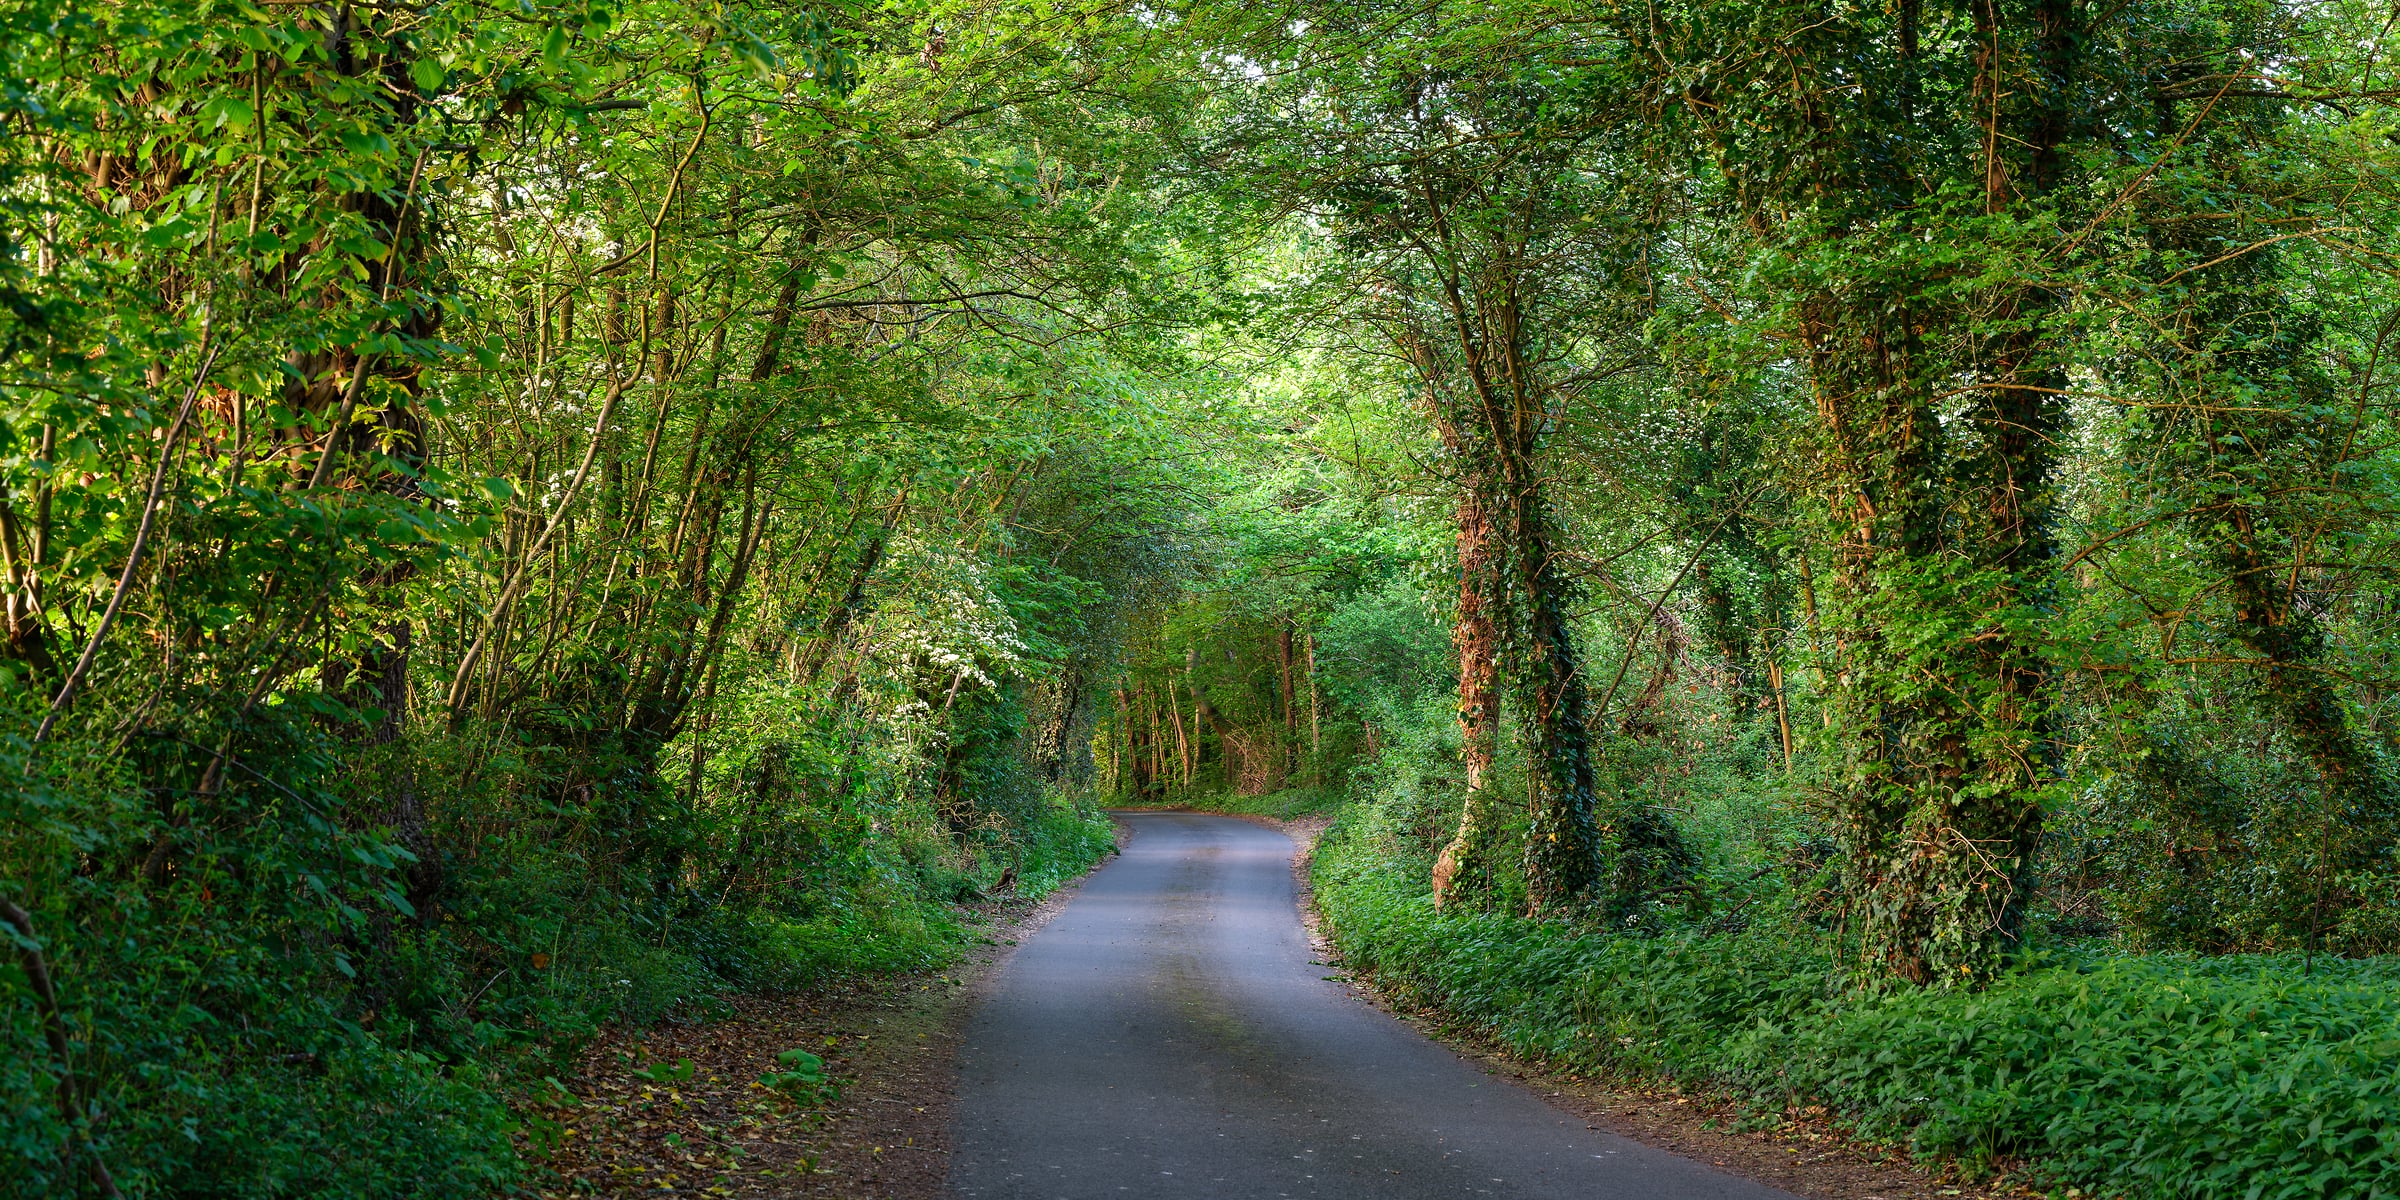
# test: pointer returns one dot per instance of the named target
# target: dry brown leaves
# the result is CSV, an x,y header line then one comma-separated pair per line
x,y
632,1122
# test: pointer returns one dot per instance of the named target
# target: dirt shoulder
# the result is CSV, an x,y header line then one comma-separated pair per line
x,y
892,1041
1803,1153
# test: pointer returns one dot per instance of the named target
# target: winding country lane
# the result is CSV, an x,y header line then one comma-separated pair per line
x,y
1169,1034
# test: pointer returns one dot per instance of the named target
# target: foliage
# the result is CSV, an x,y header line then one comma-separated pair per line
x,y
522,520
518,519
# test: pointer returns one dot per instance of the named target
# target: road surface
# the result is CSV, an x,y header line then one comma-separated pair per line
x,y
1171,1034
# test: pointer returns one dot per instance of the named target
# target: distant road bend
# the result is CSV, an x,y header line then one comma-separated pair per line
x,y
1168,1034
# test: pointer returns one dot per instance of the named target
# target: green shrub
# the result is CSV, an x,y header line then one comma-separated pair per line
x,y
1059,844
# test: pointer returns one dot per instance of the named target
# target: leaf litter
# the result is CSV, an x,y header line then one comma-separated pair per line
x,y
841,1092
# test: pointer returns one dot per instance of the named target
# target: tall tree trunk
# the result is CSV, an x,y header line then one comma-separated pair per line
x,y
1158,746
1940,785
1184,750
1283,658
1316,744
1288,745
2327,844
1563,858
1464,866
847,608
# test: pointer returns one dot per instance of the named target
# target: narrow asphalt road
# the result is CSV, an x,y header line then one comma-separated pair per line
x,y
1170,1034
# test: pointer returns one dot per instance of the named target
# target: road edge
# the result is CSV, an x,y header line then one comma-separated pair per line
x,y
892,1040
1805,1155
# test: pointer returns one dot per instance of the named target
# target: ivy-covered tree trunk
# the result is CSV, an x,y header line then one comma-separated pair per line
x,y
1464,868
1563,849
1488,403
2344,848
1937,393
1945,860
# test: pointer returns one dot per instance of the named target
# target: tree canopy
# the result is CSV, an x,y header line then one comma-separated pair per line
x,y
517,517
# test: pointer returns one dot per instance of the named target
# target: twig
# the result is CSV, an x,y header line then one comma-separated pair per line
x,y
517,577
1633,643
133,558
341,421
